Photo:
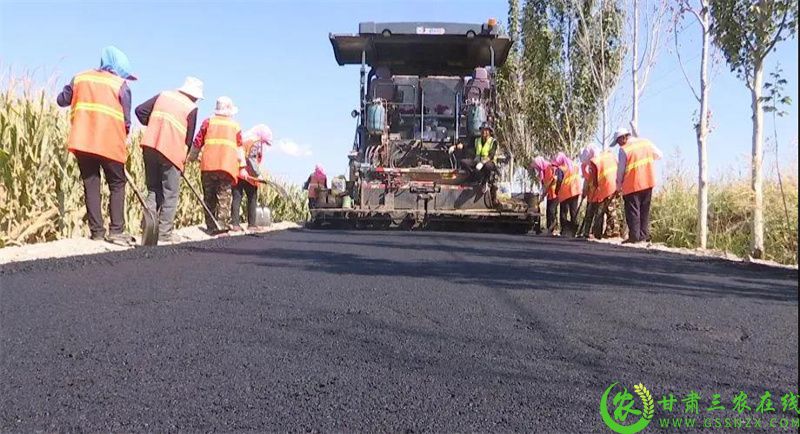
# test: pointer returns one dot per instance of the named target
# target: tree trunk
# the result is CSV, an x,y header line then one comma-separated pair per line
x,y
757,250
702,138
635,70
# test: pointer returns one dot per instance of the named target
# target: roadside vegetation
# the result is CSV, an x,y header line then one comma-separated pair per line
x,y
41,195
674,216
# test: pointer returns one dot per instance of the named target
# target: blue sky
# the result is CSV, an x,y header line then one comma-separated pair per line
x,y
274,59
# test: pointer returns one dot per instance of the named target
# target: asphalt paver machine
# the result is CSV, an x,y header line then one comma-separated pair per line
x,y
425,89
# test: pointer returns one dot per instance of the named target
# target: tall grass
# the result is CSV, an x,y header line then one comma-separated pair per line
x,y
41,196
674,215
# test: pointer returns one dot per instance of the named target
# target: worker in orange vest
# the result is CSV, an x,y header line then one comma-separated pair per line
x,y
170,118
569,192
636,177
548,180
100,103
589,189
220,141
253,142
316,181
600,171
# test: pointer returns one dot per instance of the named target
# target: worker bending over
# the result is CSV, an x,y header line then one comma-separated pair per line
x,y
600,172
170,118
547,176
253,142
569,192
220,140
636,177
100,103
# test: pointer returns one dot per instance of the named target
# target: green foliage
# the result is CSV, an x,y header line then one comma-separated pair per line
x,y
746,31
41,196
775,99
571,54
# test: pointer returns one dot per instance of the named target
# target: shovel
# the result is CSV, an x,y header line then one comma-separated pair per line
x,y
208,211
150,229
279,188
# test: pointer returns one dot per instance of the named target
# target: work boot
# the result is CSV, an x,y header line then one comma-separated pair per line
x,y
236,228
121,239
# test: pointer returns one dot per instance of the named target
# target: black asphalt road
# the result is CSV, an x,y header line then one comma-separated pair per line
x,y
380,331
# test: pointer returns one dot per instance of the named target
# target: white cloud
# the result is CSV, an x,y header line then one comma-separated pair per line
x,y
291,148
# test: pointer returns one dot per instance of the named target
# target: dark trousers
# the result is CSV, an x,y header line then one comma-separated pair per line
x,y
482,175
591,219
217,196
568,214
552,210
114,172
163,188
242,189
637,214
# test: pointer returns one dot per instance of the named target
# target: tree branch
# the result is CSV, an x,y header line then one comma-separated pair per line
x,y
680,61
777,35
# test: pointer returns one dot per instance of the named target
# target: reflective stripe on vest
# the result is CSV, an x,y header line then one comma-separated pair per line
x,y
639,169
606,167
166,130
483,150
96,117
220,149
570,186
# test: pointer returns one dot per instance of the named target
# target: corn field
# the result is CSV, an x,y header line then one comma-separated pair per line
x,y
41,195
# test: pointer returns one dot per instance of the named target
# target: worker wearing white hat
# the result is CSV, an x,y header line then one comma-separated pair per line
x,y
636,179
170,118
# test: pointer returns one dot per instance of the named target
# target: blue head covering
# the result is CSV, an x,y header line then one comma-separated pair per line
x,y
112,59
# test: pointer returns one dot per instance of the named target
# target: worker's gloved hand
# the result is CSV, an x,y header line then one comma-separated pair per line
x,y
460,146
243,173
479,166
193,155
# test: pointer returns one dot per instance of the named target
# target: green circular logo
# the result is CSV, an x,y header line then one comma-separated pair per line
x,y
627,417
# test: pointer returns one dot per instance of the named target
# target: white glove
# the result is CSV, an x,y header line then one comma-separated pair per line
x,y
479,166
451,149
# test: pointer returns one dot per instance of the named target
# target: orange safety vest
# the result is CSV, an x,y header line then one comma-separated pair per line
x,y
605,165
640,171
166,130
571,185
247,146
549,177
220,148
98,123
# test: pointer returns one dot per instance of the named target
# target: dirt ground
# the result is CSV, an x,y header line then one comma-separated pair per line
x,y
85,246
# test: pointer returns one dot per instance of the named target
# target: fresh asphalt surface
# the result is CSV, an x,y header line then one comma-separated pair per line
x,y
380,331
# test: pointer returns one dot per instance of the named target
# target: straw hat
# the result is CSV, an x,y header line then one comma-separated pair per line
x,y
225,107
193,87
621,132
